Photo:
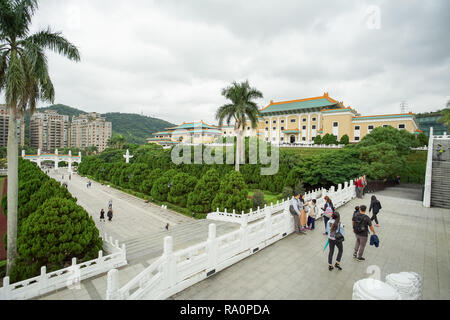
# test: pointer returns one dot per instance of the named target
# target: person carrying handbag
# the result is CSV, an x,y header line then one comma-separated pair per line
x,y
335,231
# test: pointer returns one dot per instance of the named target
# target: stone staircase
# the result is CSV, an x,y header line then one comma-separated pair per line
x,y
149,247
440,180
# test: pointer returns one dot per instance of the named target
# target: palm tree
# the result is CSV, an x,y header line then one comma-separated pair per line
x,y
241,109
24,80
117,141
446,115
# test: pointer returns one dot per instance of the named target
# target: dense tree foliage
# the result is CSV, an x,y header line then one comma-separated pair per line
x,y
52,235
199,201
182,185
232,194
52,228
258,199
345,139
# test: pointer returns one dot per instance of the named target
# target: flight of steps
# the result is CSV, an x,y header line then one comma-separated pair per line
x,y
440,180
149,247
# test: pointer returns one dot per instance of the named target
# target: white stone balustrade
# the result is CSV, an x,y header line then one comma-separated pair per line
x,y
175,271
67,277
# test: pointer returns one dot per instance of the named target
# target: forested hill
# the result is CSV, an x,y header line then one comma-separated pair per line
x,y
134,127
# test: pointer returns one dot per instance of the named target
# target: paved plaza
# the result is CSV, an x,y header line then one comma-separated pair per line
x,y
412,238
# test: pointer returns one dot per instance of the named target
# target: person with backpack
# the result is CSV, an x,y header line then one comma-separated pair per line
x,y
295,212
335,230
361,224
110,214
328,210
375,205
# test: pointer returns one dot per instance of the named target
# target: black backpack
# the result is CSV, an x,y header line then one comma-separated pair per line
x,y
292,210
360,224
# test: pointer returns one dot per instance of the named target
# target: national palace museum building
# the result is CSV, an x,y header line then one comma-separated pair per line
x,y
297,121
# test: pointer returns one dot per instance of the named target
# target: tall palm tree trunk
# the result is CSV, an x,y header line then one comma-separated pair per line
x,y
237,156
241,147
13,183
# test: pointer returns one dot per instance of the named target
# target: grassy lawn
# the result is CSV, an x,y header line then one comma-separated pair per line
x,y
268,196
305,151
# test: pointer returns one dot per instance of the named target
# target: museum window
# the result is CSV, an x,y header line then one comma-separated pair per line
x,y
282,121
292,120
274,121
282,128
401,126
313,119
274,128
303,138
335,124
314,127
304,119
304,127
370,127
267,129
356,138
267,122
282,139
356,128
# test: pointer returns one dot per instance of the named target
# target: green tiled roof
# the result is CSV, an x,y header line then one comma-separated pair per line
x,y
161,133
393,116
303,106
195,125
291,131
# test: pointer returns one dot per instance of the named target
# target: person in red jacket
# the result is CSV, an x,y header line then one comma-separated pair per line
x,y
359,184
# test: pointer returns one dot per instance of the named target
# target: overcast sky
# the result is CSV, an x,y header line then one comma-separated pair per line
x,y
170,59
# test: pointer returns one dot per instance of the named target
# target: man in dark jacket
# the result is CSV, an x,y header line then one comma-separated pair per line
x,y
361,224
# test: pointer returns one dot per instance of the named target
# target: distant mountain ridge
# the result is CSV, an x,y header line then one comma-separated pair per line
x,y
134,127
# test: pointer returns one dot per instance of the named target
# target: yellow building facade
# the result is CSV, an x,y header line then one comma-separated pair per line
x,y
300,121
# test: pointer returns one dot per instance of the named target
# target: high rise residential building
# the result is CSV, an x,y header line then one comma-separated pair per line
x,y
4,124
90,130
49,131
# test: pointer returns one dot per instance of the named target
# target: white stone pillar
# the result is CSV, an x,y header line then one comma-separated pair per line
x,y
212,248
23,153
112,289
428,172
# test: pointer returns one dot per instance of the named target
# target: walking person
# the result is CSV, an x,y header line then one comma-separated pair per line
x,y
375,207
335,231
439,152
328,210
110,214
102,215
361,224
167,226
294,210
312,215
110,204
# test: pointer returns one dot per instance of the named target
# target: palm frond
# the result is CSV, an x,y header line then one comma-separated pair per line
x,y
15,82
55,42
23,12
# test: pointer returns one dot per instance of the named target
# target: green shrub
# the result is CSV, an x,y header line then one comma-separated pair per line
x,y
200,199
287,193
56,232
232,194
258,199
182,185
